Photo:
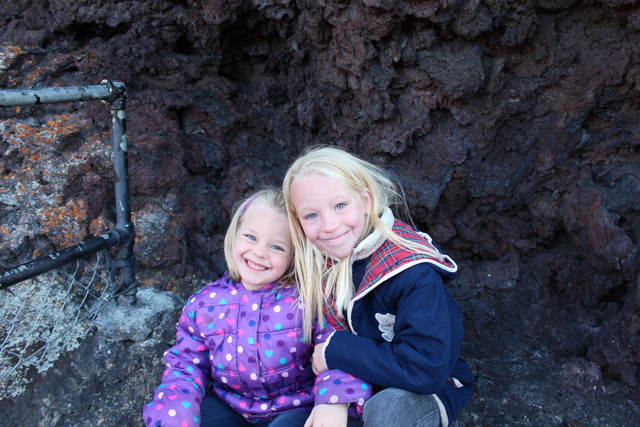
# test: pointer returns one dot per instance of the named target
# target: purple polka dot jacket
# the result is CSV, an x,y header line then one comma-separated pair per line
x,y
246,348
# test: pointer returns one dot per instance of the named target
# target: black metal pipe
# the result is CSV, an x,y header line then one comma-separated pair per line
x,y
123,208
56,260
124,235
53,95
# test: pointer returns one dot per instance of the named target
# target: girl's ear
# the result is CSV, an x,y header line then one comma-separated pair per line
x,y
367,200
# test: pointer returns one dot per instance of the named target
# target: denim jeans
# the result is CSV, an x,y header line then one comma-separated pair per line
x,y
216,413
393,407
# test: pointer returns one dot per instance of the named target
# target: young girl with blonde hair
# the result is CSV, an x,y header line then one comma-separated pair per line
x,y
380,283
240,358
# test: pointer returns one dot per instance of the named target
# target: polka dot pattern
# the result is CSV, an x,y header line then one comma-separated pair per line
x,y
249,346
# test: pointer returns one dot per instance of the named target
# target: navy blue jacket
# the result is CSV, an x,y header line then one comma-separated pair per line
x,y
406,333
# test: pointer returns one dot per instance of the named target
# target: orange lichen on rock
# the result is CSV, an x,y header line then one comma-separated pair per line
x,y
63,224
8,54
51,131
99,226
38,173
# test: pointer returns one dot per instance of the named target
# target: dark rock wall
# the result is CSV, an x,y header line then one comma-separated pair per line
x,y
512,125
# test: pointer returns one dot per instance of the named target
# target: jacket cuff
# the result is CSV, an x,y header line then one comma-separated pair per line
x,y
172,406
324,349
334,386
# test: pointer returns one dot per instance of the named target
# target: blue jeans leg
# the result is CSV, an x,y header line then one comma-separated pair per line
x,y
293,418
393,407
216,413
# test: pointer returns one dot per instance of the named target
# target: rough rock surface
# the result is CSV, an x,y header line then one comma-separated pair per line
x,y
513,127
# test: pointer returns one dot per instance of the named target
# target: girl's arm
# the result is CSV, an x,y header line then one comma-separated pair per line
x,y
177,399
427,335
335,391
333,415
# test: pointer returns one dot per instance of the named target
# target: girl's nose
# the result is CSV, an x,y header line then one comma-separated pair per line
x,y
260,250
329,223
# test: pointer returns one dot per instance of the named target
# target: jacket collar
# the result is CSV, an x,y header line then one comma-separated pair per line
x,y
373,241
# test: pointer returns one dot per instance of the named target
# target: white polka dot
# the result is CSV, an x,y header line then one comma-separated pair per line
x,y
212,295
285,374
221,316
254,307
333,399
228,357
230,339
191,329
276,309
293,350
264,406
192,299
296,402
160,395
253,376
172,412
196,360
223,379
240,349
326,377
233,292
361,401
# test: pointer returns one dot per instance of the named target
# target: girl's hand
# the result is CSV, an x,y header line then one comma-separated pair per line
x,y
326,415
317,360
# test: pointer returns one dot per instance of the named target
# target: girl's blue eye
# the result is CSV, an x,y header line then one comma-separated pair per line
x,y
341,205
250,237
277,248
311,216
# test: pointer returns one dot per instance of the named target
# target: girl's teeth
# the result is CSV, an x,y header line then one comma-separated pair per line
x,y
255,266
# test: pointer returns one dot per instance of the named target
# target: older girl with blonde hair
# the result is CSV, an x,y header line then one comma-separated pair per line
x,y
381,284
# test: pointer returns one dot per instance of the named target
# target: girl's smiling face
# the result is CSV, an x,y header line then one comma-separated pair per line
x,y
331,213
262,251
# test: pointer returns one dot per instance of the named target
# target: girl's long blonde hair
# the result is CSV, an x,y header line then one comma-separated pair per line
x,y
269,197
319,276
